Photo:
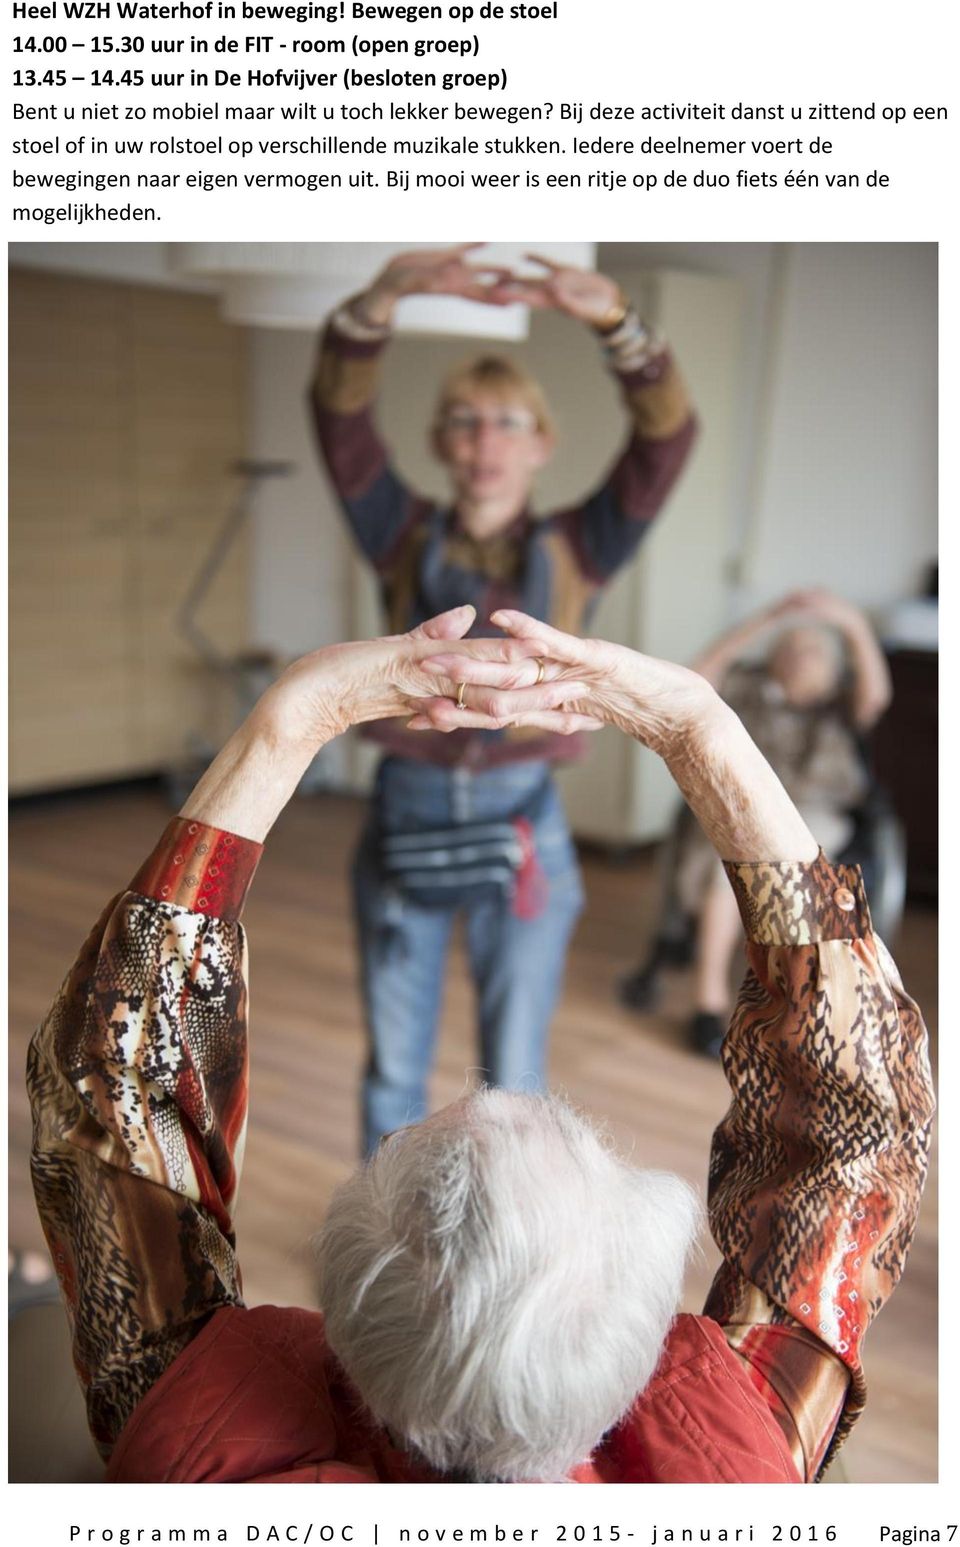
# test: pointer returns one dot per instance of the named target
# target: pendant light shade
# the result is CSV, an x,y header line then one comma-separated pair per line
x,y
297,284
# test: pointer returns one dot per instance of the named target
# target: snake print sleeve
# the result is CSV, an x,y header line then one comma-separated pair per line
x,y
138,1086
818,1167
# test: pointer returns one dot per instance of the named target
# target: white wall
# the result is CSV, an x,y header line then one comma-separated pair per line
x,y
837,417
756,267
847,486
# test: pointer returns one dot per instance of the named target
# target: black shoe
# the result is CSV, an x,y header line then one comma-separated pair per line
x,y
678,950
642,990
706,1033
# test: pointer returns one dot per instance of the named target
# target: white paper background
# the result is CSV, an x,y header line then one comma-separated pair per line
x,y
848,51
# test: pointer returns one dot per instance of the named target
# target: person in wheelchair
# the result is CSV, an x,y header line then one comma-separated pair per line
x,y
809,705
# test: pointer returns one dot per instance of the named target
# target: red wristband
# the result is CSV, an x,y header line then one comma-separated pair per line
x,y
200,868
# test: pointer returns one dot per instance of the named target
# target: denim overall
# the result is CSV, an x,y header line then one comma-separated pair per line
x,y
516,963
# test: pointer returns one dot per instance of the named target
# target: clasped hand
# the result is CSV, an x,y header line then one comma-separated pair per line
x,y
535,676
582,294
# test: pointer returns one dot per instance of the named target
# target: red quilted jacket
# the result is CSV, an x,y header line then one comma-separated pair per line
x,y
258,1397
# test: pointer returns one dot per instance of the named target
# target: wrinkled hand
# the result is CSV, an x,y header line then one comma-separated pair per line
x,y
322,694
579,293
316,698
585,683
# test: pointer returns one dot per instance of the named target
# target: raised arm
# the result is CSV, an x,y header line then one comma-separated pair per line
x,y
382,511
817,1169
137,1079
605,529
715,661
138,1076
138,1073
871,688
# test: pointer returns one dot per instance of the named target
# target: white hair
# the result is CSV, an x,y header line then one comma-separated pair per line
x,y
834,645
498,1284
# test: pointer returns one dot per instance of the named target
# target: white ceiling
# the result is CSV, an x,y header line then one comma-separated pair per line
x,y
147,263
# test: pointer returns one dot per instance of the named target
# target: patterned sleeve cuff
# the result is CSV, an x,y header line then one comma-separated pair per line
x,y
200,868
797,904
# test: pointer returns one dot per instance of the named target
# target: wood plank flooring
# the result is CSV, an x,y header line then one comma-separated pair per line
x,y
69,855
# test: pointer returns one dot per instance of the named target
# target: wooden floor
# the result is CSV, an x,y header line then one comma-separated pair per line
x,y
68,856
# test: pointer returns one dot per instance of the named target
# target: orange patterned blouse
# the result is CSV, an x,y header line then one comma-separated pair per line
x,y
138,1082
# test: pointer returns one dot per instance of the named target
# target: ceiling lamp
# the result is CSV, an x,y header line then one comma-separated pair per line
x,y
297,284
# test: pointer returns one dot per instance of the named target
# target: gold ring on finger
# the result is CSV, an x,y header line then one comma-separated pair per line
x,y
461,690
541,670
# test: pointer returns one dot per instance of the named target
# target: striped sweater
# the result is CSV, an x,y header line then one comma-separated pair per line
x,y
552,567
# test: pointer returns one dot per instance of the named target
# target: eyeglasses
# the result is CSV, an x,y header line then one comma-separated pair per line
x,y
509,421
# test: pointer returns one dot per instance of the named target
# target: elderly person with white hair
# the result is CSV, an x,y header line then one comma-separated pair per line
x,y
819,690
499,1291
